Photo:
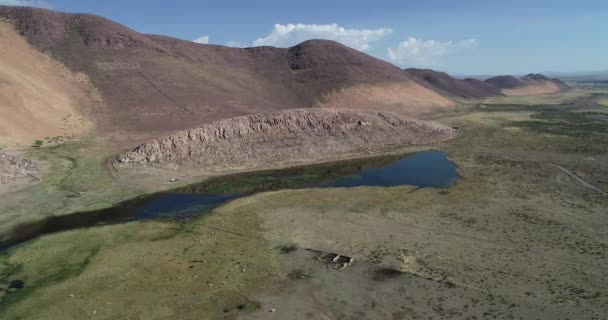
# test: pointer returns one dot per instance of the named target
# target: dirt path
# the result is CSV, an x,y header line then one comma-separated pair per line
x,y
579,179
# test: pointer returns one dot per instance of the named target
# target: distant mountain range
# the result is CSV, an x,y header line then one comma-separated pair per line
x,y
495,86
565,76
580,75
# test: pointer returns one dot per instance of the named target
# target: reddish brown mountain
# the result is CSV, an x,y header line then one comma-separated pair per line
x,y
154,84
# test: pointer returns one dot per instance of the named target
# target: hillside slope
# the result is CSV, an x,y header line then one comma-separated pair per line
x,y
155,84
38,97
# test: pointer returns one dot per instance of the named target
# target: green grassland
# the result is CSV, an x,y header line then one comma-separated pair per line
x,y
141,270
75,179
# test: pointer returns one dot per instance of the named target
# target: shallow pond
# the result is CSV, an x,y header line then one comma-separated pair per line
x,y
422,169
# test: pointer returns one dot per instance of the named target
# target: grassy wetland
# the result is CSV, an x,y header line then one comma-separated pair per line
x,y
518,237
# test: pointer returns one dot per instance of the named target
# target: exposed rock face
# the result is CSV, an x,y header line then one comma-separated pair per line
x,y
15,170
286,136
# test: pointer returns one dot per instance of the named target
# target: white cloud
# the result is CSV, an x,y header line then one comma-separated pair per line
x,y
468,43
236,44
202,40
427,53
26,3
292,34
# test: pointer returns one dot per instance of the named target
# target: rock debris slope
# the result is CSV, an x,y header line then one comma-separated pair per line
x,y
15,170
286,136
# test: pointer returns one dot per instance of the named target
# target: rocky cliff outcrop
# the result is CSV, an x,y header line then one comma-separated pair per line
x,y
15,170
286,136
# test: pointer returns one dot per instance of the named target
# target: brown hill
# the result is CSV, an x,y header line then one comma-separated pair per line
x,y
531,84
505,82
141,86
154,84
467,88
289,136
38,97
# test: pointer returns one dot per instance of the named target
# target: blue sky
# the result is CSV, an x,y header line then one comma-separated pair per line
x,y
458,36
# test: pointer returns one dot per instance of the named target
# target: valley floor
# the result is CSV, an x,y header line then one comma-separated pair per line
x,y
518,237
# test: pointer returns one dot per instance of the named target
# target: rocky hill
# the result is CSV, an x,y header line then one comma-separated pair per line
x,y
300,135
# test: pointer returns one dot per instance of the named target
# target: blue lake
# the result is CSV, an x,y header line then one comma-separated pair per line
x,y
422,169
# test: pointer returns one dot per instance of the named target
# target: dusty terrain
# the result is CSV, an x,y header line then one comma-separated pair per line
x,y
38,97
301,135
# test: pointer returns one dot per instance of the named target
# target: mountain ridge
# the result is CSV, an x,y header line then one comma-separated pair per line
x,y
153,85
472,88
